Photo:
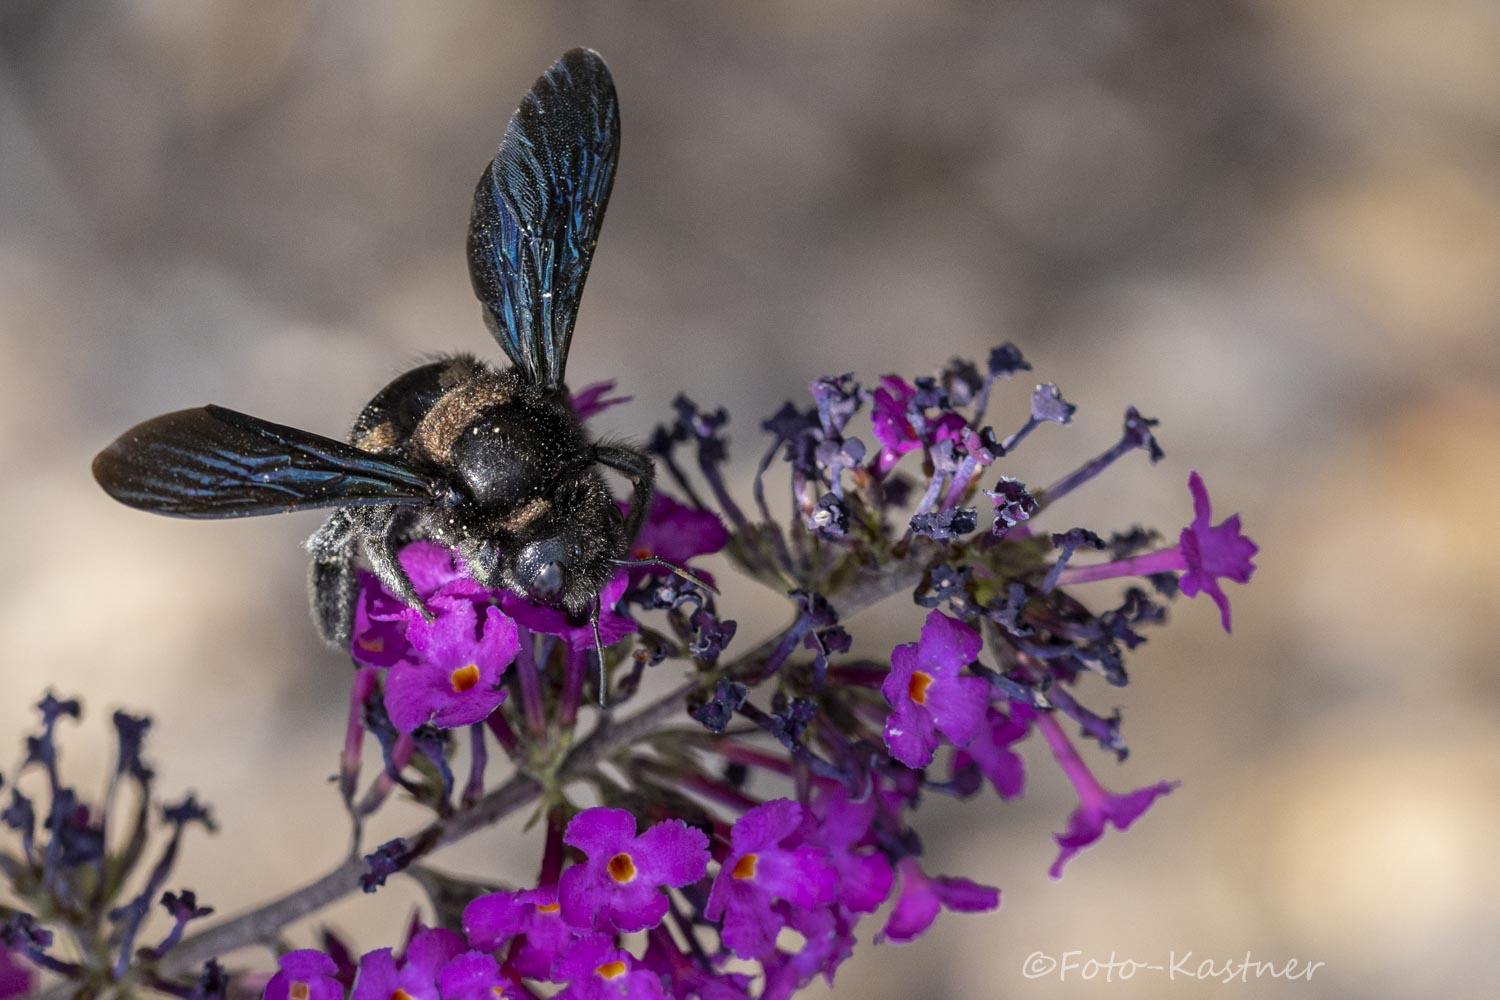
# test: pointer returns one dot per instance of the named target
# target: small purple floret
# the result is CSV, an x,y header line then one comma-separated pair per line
x,y
381,975
594,399
767,862
991,755
455,678
1213,551
305,975
620,886
1097,806
16,977
928,694
595,969
533,917
921,897
475,975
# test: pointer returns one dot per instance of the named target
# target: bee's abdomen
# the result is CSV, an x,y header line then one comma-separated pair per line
x,y
388,423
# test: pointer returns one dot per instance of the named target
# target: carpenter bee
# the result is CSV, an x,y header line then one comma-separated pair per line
x,y
492,463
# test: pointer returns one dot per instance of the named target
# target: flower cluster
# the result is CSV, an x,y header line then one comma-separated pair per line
x,y
774,787
83,868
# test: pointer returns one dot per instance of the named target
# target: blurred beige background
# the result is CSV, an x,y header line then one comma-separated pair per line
x,y
1273,224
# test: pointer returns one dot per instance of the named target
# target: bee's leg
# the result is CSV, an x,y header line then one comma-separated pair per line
x,y
599,651
332,578
380,538
636,466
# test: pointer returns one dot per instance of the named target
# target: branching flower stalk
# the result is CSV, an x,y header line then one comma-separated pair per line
x,y
771,788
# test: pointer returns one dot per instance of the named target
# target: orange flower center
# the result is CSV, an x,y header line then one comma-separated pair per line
x,y
611,970
920,682
744,867
622,868
372,644
464,678
298,990
400,994
549,907
641,552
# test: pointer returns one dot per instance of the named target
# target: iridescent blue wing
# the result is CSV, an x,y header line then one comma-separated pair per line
x,y
537,212
213,462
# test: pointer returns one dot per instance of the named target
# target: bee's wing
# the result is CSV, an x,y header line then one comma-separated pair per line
x,y
213,462
537,212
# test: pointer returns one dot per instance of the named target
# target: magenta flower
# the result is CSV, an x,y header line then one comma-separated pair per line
x,y
595,969
455,678
1096,804
590,401
16,978
991,755
892,417
620,886
1213,552
381,976
1204,554
841,825
475,975
928,694
380,619
675,533
532,917
922,897
379,635
684,977
613,626
767,862
304,975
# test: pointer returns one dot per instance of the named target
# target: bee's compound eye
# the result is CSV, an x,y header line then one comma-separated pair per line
x,y
547,583
540,569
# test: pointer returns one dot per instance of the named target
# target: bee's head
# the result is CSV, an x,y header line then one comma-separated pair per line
x,y
564,558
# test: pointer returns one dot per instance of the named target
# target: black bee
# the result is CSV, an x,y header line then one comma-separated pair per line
x,y
494,463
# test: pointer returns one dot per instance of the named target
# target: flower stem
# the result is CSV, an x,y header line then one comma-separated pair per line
x,y
1165,561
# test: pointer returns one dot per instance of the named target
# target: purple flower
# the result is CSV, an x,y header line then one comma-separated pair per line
x,y
1096,804
436,569
380,618
675,533
590,401
683,976
455,678
892,414
921,898
532,917
928,695
991,755
767,862
828,938
304,975
1204,554
1212,552
16,978
613,626
379,636
475,975
619,887
381,976
840,825
595,969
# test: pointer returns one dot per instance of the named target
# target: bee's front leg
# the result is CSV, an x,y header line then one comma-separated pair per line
x,y
381,545
334,577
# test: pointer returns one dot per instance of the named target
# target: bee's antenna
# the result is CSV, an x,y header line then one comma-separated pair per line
x,y
599,651
681,571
